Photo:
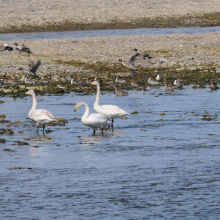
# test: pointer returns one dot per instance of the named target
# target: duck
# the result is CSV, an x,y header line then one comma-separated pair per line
x,y
28,81
120,92
130,63
169,87
159,78
135,84
5,47
178,84
142,55
32,68
95,120
23,48
213,85
122,81
111,111
40,116
152,82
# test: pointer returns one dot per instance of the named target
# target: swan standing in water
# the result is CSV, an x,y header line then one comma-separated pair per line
x,y
40,116
94,120
111,111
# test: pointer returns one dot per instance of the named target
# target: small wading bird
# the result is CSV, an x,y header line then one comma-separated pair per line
x,y
40,116
95,120
23,48
213,85
111,111
32,68
120,92
5,47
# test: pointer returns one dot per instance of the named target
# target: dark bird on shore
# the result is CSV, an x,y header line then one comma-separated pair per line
x,y
142,55
169,87
5,47
32,68
213,85
130,63
23,48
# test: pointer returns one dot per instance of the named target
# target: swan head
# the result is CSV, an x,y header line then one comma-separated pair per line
x,y
30,92
95,83
78,104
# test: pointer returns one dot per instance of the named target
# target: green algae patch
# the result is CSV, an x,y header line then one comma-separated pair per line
x,y
61,119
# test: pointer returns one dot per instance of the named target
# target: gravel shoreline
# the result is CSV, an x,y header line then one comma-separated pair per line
x,y
196,58
56,15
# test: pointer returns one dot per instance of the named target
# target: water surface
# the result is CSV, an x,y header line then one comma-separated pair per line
x,y
108,32
152,166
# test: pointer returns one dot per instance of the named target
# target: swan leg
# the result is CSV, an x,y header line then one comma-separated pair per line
x,y
93,131
112,123
43,128
102,131
37,128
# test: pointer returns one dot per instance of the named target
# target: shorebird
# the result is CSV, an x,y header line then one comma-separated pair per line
x,y
5,47
142,55
120,92
213,85
152,82
23,48
32,68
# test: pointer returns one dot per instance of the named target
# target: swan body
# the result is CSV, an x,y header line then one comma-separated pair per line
x,y
95,120
40,116
111,111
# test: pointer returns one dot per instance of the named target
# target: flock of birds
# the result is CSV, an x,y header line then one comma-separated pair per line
x,y
105,113
103,118
32,67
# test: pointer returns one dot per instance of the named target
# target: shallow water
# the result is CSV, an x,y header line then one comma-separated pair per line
x,y
108,32
147,168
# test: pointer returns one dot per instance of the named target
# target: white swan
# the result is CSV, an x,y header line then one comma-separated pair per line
x,y
40,116
94,120
111,111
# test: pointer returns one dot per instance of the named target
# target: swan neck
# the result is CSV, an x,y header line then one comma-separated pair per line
x,y
86,113
97,95
34,106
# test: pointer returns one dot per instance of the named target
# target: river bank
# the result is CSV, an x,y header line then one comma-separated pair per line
x,y
193,57
35,16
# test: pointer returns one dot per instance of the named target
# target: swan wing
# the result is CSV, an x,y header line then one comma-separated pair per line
x,y
111,111
41,114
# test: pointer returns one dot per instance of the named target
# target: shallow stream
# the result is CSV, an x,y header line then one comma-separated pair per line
x,y
161,163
